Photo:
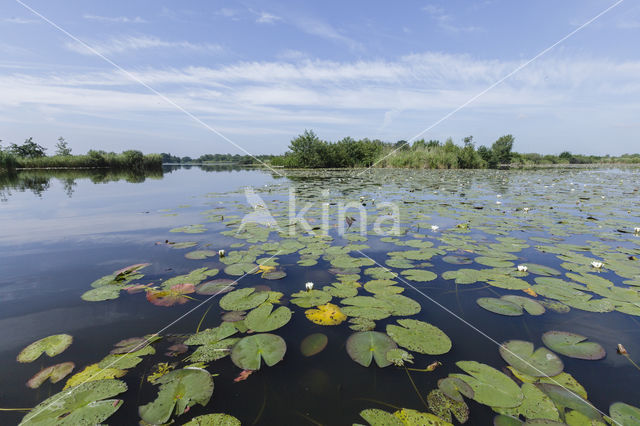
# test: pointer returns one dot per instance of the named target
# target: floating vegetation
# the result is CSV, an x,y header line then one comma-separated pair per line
x,y
54,374
363,347
573,345
52,346
327,314
313,344
249,351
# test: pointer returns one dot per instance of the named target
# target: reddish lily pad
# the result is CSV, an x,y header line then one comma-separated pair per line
x,y
175,295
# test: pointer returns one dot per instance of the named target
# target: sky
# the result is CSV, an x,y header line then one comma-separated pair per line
x,y
195,77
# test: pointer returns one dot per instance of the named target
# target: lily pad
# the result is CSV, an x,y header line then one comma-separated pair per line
x,y
93,373
419,275
311,298
410,417
531,306
274,275
313,344
625,414
82,404
455,388
51,345
365,346
327,314
573,345
535,406
200,254
443,406
219,286
264,318
500,306
55,373
216,419
249,351
490,386
176,295
179,391
565,398
541,362
105,292
419,337
398,357
376,417
243,299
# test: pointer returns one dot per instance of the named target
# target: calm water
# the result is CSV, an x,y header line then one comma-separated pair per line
x,y
60,232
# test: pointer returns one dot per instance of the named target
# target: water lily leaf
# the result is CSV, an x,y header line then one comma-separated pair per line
x,y
82,404
419,337
382,286
494,262
536,405
410,417
490,386
455,259
361,324
400,305
51,345
213,351
399,356
55,373
311,298
565,380
555,306
625,414
573,345
176,295
564,398
500,306
128,270
531,306
190,229
243,299
200,254
313,344
419,275
249,351
99,294
376,417
541,362
216,419
502,420
212,335
183,245
179,390
464,276
365,346
264,318
134,344
93,373
274,275
366,307
241,269
194,277
327,314
455,388
127,360
219,286
342,289
542,270
443,406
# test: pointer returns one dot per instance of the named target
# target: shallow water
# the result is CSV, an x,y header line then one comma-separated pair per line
x,y
61,232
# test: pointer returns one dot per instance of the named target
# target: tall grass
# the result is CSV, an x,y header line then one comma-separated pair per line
x,y
127,160
7,162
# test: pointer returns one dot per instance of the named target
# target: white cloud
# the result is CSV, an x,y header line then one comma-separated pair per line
x,y
115,19
446,21
20,21
326,31
129,43
267,18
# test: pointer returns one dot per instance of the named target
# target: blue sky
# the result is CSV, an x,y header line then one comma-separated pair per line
x,y
262,72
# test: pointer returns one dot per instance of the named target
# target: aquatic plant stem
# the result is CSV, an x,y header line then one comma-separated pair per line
x,y
386,404
202,319
631,361
16,409
415,388
264,404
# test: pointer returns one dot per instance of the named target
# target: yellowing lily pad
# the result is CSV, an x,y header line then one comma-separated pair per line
x,y
327,314
55,373
92,373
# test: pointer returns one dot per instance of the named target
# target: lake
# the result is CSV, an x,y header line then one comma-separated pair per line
x,y
407,266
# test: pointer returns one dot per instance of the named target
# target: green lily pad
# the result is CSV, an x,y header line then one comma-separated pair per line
x,y
455,388
490,386
398,357
410,417
382,286
341,289
219,286
419,275
274,275
625,414
216,419
243,299
200,254
213,351
52,346
573,345
543,270
500,306
127,360
418,336
105,292
541,362
55,373
264,318
249,351
311,298
190,229
183,245
535,406
464,276
81,404
361,324
179,391
370,308
443,406
238,269
365,346
376,417
531,306
565,398
400,305
313,344
212,335
455,259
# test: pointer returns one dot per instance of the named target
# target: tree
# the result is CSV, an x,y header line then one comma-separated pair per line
x,y
307,150
502,149
402,145
488,157
29,149
62,147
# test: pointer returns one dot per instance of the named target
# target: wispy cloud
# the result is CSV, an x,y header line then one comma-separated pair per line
x,y
267,18
446,21
327,31
115,19
19,21
228,13
131,43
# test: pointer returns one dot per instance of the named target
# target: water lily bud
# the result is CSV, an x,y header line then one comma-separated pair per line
x,y
309,286
522,268
597,264
621,349
221,253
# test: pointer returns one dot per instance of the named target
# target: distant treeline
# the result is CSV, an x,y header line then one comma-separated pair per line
x,y
217,158
31,155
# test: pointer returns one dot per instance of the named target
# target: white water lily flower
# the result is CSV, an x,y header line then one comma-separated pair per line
x,y
597,264
434,228
221,253
522,268
498,202
526,209
498,195
636,230
309,286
